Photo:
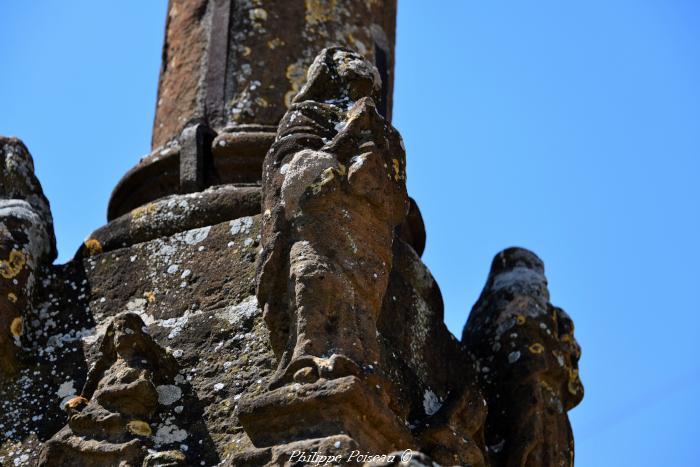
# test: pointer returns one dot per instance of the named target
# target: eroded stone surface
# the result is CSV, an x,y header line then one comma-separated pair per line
x,y
150,347
111,421
27,246
208,321
527,361
243,61
333,193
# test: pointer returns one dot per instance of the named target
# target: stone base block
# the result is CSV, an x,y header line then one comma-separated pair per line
x,y
321,409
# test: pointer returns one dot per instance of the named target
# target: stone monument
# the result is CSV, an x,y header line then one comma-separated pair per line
x,y
257,296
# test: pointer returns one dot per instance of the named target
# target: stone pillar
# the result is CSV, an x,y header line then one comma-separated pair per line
x,y
234,66
233,62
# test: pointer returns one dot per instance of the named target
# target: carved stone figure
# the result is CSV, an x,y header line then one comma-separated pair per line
x,y
333,194
110,423
528,364
27,244
258,289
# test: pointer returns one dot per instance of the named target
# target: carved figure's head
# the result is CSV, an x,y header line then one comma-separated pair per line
x,y
342,77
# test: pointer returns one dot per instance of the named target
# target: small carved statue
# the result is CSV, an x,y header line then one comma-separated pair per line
x,y
110,423
333,193
27,244
528,364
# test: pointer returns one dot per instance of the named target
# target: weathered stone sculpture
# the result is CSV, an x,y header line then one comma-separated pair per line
x,y
528,364
27,245
110,422
257,296
333,193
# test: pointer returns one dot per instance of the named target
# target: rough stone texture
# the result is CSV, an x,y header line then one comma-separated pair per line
x,y
27,245
333,193
208,321
232,158
176,213
234,66
527,359
242,61
186,39
435,380
131,382
149,347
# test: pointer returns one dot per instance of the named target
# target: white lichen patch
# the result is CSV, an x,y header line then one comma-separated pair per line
x,y
195,236
420,329
66,392
66,389
524,280
431,402
138,306
72,335
168,394
177,324
241,225
240,312
305,167
169,433
421,276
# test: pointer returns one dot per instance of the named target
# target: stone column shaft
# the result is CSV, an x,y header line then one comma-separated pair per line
x,y
242,61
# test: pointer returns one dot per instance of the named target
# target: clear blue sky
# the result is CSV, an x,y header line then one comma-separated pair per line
x,y
570,128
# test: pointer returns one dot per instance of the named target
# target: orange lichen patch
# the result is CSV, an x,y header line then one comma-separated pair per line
x,y
547,387
520,319
319,11
326,177
296,74
262,102
93,246
574,382
536,348
274,43
143,211
12,297
16,327
257,14
76,402
13,265
397,169
150,297
139,428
